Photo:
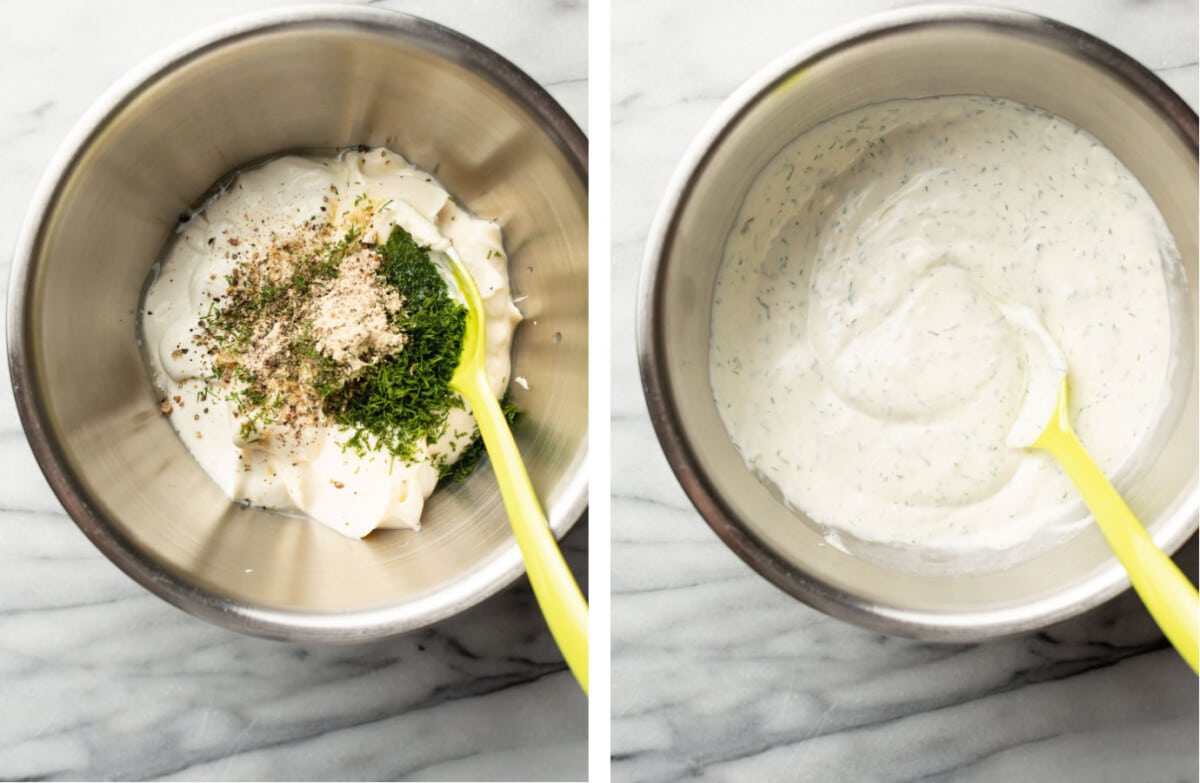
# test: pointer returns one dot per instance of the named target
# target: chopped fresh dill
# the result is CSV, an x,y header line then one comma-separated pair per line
x,y
404,401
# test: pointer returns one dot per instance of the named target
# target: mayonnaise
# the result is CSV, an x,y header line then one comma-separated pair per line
x,y
313,474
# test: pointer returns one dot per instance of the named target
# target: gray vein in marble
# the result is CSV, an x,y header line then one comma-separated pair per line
x,y
1191,64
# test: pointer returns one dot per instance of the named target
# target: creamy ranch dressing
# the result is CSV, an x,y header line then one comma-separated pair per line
x,y
880,311
350,492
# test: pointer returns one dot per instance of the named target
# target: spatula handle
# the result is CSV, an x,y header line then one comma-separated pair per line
x,y
555,588
1166,592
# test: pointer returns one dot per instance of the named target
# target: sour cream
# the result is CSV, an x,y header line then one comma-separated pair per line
x,y
351,492
896,282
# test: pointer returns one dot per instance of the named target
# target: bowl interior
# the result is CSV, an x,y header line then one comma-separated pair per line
x,y
497,143
1011,56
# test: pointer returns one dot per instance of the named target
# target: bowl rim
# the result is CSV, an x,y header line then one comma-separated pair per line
x,y
658,388
497,572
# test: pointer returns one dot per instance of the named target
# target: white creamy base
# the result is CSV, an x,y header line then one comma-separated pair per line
x,y
350,493
872,339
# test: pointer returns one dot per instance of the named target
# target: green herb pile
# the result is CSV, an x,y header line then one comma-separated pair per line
x,y
396,404
405,400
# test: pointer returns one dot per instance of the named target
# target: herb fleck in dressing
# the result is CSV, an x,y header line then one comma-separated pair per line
x,y
865,355
304,340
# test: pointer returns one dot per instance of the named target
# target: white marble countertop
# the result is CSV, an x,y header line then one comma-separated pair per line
x,y
101,680
720,676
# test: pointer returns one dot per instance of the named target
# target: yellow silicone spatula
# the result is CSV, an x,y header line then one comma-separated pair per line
x,y
1166,592
562,603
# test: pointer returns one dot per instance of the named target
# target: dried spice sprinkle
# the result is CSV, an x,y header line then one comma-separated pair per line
x,y
324,327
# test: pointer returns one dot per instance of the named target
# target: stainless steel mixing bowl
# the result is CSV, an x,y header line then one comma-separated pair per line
x,y
911,54
323,77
